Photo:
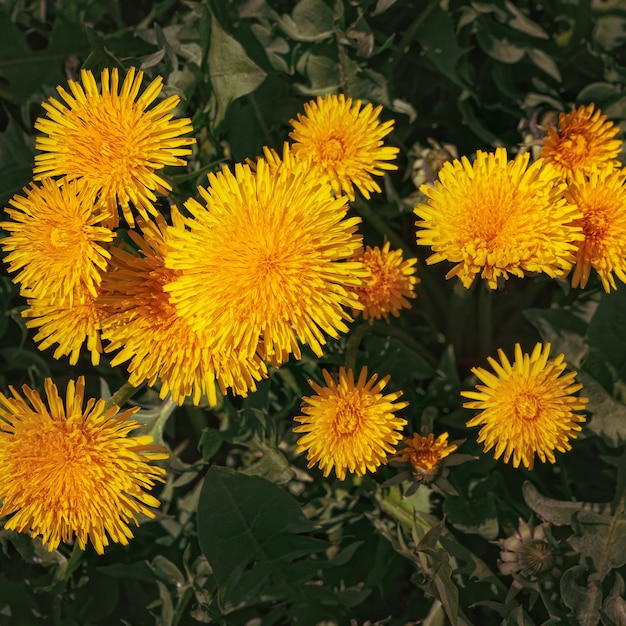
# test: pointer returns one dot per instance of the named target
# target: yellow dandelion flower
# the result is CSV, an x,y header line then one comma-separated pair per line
x,y
425,454
70,471
344,141
262,265
390,282
68,325
158,343
497,217
527,408
349,427
584,138
54,241
600,195
111,141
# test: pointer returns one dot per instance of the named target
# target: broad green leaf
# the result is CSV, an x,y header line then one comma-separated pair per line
x,y
29,71
500,49
613,610
247,529
233,74
16,161
599,93
609,32
476,514
607,331
608,416
322,73
438,39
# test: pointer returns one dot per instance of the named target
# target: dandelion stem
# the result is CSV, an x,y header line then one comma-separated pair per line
x,y
121,396
353,343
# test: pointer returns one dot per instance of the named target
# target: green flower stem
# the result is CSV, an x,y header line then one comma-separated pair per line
x,y
485,321
121,396
377,222
353,343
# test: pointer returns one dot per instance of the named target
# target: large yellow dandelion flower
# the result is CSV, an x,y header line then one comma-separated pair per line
x,y
263,264
157,342
425,454
584,138
55,241
112,141
527,408
72,471
497,217
349,427
345,142
390,282
68,325
601,197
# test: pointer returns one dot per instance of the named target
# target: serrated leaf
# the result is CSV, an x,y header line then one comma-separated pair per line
x,y
233,74
608,416
557,512
583,600
563,330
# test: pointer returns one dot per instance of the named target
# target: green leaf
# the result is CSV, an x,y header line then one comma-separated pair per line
x,y
311,20
476,514
545,63
564,330
29,71
438,39
16,160
500,49
247,529
210,442
583,600
556,512
608,416
233,74
613,610
609,32
607,331
523,24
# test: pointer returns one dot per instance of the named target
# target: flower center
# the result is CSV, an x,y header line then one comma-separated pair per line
x,y
595,224
574,148
348,416
527,406
332,149
536,557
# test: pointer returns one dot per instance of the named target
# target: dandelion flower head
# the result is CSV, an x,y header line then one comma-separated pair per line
x,y
584,138
70,471
345,142
69,325
156,341
111,141
347,426
390,282
264,263
526,408
600,195
425,454
496,217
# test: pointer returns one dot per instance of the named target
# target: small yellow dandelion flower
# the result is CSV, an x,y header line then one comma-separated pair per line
x,y
68,325
263,264
349,427
72,471
390,282
345,142
158,343
55,241
497,217
111,141
527,408
601,197
584,138
425,454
